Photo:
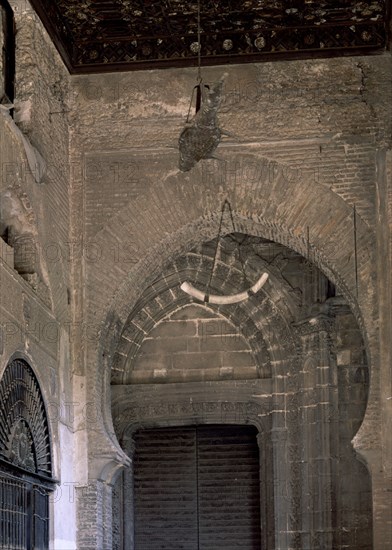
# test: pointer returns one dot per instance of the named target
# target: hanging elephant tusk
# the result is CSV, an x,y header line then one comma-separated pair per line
x,y
222,300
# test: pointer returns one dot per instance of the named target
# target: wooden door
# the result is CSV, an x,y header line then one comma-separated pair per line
x,y
197,488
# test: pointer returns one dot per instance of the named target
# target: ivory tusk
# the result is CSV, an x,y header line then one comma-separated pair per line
x,y
221,300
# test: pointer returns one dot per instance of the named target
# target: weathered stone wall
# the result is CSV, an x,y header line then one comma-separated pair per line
x,y
35,313
194,344
321,489
308,134
1,57
310,139
41,112
354,484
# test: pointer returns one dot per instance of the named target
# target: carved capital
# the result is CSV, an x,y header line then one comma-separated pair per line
x,y
315,324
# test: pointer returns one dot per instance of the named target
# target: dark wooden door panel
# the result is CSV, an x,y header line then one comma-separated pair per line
x,y
197,488
229,495
165,496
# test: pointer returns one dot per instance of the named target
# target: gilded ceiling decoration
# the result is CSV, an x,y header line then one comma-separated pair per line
x,y
99,35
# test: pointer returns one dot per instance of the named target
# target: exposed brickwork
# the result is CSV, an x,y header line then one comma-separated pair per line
x,y
34,271
301,405
251,317
41,112
309,140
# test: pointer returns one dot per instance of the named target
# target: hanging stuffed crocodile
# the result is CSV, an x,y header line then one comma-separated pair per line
x,y
201,136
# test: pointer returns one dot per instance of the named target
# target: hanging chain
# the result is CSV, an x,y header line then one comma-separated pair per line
x,y
355,248
217,245
199,86
241,260
238,243
228,205
190,106
198,44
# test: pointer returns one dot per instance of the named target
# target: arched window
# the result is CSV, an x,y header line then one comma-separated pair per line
x,y
25,461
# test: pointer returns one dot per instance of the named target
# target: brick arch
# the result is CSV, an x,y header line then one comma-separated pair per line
x,y
267,319
143,274
164,297
148,268
182,211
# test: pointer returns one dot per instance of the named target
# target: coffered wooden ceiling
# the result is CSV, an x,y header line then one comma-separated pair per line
x,y
110,35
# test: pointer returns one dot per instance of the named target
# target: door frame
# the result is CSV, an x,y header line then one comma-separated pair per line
x,y
266,478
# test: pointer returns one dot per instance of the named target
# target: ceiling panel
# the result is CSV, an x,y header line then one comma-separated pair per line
x,y
108,35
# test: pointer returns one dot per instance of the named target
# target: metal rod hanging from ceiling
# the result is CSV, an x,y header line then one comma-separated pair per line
x,y
205,296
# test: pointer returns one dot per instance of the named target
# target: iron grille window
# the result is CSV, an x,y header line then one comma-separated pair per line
x,y
24,512
25,461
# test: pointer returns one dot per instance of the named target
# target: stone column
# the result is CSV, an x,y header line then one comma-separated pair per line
x,y
327,436
266,491
94,512
379,461
128,499
94,500
319,428
281,487
106,490
281,458
306,416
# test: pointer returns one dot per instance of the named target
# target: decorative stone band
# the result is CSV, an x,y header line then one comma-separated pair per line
x,y
315,324
129,418
230,299
218,402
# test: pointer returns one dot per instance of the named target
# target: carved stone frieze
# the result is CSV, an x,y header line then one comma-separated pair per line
x,y
204,411
316,324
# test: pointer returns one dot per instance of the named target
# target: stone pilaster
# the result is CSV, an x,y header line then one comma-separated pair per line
x,y
94,512
378,460
128,499
266,491
281,487
319,432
